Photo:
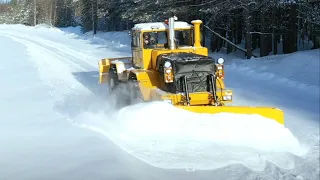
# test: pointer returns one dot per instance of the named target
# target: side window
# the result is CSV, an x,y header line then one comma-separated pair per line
x,y
152,40
136,39
184,37
162,37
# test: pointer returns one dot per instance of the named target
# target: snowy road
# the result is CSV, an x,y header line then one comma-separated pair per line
x,y
37,142
50,88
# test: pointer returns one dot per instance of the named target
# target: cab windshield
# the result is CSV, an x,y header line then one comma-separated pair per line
x,y
184,37
153,40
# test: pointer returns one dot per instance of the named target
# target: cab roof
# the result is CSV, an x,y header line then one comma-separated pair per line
x,y
160,26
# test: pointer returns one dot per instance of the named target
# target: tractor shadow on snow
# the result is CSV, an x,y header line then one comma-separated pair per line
x,y
90,81
118,99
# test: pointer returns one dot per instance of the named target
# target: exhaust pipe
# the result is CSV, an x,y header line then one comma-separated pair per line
x,y
171,32
197,38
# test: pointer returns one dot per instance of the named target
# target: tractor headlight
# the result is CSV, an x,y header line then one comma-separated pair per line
x,y
220,61
220,69
167,64
168,74
168,71
227,97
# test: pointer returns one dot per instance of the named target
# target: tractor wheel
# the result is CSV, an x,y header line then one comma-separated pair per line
x,y
116,89
135,95
112,79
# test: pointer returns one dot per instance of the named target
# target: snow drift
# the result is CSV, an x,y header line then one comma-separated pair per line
x,y
171,138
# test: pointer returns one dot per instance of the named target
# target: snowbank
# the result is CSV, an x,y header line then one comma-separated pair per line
x,y
297,70
171,138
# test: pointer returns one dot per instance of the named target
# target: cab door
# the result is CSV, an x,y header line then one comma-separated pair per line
x,y
136,49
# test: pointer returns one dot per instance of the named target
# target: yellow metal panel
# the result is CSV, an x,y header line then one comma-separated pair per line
x,y
201,51
120,66
220,84
104,66
148,79
197,38
146,59
268,112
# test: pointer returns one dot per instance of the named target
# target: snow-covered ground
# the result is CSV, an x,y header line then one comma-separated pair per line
x,y
57,123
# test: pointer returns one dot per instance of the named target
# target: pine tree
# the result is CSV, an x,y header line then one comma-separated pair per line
x,y
65,13
86,15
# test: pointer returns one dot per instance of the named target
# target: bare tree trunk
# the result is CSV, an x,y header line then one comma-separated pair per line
x,y
228,33
204,31
94,15
50,13
35,12
275,41
54,12
248,35
263,48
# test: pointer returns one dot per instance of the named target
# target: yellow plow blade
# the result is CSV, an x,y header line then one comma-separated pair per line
x,y
268,112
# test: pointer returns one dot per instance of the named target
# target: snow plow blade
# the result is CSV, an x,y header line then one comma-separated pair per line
x,y
268,112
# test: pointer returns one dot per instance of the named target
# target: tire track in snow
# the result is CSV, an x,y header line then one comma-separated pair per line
x,y
66,51
72,56
54,70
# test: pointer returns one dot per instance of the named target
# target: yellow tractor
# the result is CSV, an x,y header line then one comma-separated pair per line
x,y
169,64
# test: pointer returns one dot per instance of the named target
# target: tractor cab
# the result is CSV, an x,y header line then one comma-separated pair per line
x,y
152,36
149,40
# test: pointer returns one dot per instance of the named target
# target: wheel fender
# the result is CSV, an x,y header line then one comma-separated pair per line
x,y
104,66
143,81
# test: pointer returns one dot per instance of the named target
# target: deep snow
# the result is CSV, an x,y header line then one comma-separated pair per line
x,y
51,81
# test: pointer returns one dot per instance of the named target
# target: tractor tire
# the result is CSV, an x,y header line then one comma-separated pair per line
x,y
135,95
116,89
113,81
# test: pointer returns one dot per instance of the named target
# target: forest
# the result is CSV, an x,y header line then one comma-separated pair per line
x,y
261,25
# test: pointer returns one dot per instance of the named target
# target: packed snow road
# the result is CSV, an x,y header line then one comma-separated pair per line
x,y
57,123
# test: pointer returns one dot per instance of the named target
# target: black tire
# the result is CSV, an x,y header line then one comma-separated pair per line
x,y
124,93
135,95
113,81
116,87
